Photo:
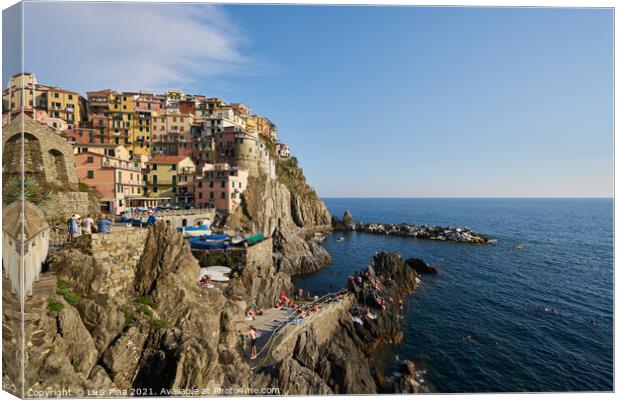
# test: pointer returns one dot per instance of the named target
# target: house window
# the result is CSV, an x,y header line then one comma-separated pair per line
x,y
211,195
223,195
174,167
90,174
90,159
154,167
223,184
200,195
154,189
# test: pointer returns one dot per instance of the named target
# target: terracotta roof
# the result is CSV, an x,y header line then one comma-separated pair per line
x,y
167,159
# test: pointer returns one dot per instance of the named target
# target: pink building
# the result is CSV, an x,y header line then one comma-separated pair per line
x,y
116,180
220,186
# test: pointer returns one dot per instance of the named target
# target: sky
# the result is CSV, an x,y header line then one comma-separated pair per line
x,y
374,101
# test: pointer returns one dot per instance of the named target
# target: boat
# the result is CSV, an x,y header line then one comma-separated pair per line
x,y
197,243
220,236
136,222
519,246
191,231
340,239
253,239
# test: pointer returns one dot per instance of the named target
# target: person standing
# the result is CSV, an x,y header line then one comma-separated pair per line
x,y
88,225
72,227
251,332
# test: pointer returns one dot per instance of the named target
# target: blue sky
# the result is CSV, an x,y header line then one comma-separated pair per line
x,y
374,101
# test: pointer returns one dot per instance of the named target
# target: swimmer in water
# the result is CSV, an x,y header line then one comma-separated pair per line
x,y
469,338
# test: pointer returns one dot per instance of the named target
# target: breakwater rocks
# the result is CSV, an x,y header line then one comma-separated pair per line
x,y
332,352
446,234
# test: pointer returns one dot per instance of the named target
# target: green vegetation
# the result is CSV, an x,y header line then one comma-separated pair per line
x,y
146,310
160,323
82,187
53,305
291,176
157,323
128,318
147,300
63,289
269,143
76,367
34,192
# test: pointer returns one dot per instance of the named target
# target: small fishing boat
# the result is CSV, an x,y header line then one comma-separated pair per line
x,y
198,243
192,231
340,239
218,236
519,246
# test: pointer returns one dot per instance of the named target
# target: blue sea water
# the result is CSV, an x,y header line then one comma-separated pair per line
x,y
489,292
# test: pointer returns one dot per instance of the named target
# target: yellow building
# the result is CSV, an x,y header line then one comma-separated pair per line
x,y
162,177
65,105
52,105
122,118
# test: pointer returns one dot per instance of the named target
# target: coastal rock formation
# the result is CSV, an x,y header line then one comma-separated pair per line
x,y
289,210
420,266
449,234
162,331
332,352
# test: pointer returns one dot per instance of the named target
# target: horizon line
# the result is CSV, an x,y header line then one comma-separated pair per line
x,y
467,197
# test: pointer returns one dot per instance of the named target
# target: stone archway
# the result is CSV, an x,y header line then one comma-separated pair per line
x,y
59,167
12,153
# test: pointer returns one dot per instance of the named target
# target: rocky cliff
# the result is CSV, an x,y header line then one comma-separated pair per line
x,y
161,331
123,315
287,209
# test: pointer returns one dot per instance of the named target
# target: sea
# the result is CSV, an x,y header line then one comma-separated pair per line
x,y
532,313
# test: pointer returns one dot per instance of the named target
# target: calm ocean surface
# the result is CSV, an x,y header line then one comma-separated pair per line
x,y
485,291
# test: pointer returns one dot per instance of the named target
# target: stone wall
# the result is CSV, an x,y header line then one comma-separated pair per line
x,y
65,204
114,258
48,157
261,254
176,219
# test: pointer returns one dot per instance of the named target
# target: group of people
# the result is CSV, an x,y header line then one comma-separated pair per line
x,y
76,225
253,310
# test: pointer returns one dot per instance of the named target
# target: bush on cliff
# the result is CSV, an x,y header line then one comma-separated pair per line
x,y
33,191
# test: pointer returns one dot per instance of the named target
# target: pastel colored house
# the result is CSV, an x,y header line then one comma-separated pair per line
x,y
220,186
162,176
116,180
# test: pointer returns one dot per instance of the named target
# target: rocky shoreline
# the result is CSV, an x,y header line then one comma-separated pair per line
x,y
334,353
446,234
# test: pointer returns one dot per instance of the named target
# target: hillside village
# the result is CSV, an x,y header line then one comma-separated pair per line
x,y
137,150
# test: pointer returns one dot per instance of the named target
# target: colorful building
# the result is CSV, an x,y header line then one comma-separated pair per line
x,y
115,179
220,186
161,178
58,108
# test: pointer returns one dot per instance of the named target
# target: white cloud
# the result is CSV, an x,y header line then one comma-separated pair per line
x,y
88,46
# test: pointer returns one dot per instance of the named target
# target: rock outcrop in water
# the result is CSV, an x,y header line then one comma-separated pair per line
x,y
447,234
333,352
288,209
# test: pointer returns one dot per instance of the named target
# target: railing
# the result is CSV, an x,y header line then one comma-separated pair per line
x,y
277,332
